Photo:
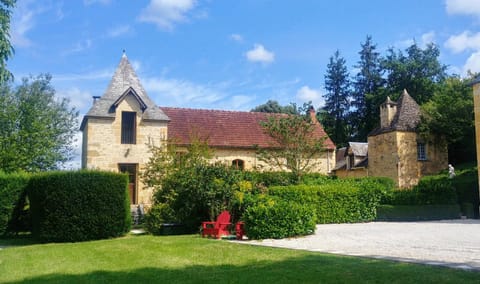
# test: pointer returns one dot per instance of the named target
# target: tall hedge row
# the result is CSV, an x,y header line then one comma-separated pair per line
x,y
431,190
79,206
12,196
340,201
273,217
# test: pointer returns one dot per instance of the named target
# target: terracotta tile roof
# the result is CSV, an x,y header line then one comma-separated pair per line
x,y
227,129
406,118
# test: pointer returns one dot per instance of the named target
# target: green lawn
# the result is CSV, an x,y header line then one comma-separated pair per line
x,y
191,259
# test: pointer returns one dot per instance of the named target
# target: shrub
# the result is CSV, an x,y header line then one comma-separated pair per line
x,y
270,217
417,212
267,179
12,200
79,206
338,201
199,192
429,191
157,216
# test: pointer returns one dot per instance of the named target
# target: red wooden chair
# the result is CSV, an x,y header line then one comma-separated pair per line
x,y
218,228
240,230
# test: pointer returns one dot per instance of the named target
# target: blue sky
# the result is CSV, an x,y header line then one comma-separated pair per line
x,y
225,54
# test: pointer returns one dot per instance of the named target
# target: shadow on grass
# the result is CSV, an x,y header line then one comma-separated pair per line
x,y
305,269
16,241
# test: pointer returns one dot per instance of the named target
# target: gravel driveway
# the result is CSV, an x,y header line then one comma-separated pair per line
x,y
453,243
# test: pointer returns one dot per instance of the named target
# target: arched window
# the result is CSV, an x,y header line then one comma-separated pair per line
x,y
238,164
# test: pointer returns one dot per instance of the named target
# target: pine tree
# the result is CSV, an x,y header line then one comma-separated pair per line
x,y
335,113
367,90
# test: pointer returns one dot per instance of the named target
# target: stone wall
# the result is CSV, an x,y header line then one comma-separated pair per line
x,y
476,106
382,156
323,164
354,173
394,155
104,150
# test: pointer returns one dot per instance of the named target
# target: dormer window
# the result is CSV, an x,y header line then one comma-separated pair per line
x,y
129,127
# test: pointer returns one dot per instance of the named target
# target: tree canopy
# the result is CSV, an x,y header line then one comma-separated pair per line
x,y
337,100
272,106
6,48
36,128
296,148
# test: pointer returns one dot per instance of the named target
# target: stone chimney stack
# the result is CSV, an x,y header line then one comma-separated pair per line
x,y
313,115
387,111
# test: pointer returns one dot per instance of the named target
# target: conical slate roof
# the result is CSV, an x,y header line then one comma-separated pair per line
x,y
406,118
124,82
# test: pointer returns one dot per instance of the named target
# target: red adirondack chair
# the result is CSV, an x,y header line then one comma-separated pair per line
x,y
218,228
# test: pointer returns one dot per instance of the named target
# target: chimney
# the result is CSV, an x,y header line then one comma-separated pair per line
x,y
313,115
95,98
387,111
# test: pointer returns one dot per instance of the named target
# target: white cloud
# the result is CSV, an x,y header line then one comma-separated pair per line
x,y
94,75
166,13
472,64
236,37
260,54
465,7
306,94
119,31
79,99
23,20
463,41
79,47
427,38
182,93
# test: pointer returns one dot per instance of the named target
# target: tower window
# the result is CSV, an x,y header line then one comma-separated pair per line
x,y
129,129
421,152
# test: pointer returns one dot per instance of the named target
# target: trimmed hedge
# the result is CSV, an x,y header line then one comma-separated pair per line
x,y
417,212
338,201
79,206
431,190
12,199
271,217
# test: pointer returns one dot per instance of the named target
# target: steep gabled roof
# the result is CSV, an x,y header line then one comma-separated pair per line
x,y
359,149
227,129
406,118
124,82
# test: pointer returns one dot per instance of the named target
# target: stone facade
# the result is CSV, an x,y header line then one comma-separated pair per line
x,y
105,151
395,150
394,155
234,135
322,164
476,106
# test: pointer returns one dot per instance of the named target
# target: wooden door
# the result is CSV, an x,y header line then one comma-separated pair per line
x,y
131,170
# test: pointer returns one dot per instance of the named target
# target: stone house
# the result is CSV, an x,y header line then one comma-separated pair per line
x,y
395,149
352,161
124,121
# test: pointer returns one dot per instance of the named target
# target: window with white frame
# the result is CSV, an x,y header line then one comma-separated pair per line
x,y
421,151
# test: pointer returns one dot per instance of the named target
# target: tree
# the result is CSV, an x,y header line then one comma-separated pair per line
x,y
449,115
272,106
419,71
367,90
337,96
36,128
6,49
187,188
296,145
